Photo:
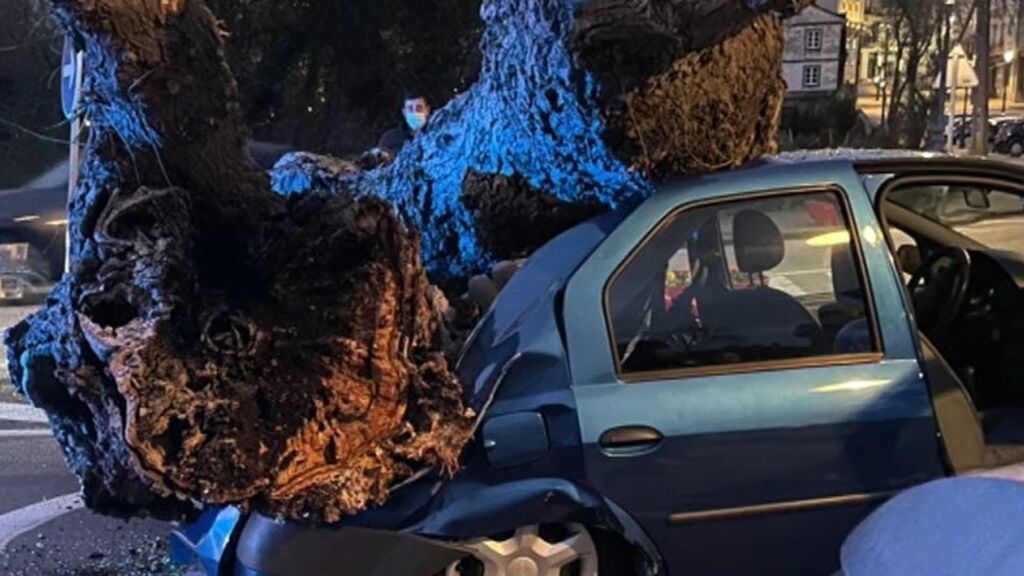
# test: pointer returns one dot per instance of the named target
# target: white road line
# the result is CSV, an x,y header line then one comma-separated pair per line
x,y
786,285
26,434
18,522
22,413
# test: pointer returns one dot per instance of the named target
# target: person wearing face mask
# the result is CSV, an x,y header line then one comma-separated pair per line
x,y
416,110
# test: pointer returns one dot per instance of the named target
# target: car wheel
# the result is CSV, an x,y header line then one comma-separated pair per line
x,y
567,550
1017,149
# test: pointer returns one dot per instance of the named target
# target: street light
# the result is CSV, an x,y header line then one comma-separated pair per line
x,y
1009,56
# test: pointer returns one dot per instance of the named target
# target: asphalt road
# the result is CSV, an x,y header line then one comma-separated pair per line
x,y
35,486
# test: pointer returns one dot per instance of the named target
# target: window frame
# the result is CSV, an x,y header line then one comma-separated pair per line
x,y
818,33
818,361
807,68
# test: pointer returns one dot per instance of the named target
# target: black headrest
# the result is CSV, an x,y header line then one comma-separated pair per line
x,y
758,242
845,279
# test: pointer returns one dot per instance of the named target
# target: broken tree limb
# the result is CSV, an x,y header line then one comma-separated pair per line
x,y
219,343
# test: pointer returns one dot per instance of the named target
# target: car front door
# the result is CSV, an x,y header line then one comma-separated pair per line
x,y
744,370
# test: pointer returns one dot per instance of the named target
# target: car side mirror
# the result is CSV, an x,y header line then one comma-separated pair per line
x,y
977,199
909,258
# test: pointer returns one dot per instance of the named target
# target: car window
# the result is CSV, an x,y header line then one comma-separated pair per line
x,y
991,217
765,279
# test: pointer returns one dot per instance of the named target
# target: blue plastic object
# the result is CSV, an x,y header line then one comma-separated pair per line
x,y
958,527
204,542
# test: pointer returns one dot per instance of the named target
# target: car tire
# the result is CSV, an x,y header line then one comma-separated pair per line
x,y
1017,149
549,550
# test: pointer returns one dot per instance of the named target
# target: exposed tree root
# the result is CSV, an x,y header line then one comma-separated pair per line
x,y
714,109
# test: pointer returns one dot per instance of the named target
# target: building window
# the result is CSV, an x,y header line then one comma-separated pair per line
x,y
812,76
812,41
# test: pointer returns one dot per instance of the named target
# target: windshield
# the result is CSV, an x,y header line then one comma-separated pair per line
x,y
990,217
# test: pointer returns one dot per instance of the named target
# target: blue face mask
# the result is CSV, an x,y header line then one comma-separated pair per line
x,y
416,120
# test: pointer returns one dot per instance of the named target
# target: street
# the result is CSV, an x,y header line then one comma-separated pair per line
x,y
44,531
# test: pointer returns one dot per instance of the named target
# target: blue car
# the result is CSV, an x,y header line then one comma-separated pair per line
x,y
725,379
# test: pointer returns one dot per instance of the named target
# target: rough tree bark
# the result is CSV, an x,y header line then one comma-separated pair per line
x,y
217,342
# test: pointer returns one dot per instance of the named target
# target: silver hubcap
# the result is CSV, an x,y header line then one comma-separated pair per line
x,y
528,554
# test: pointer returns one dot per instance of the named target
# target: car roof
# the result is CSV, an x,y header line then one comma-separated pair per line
x,y
911,162
856,155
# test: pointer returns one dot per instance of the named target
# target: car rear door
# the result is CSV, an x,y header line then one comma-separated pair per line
x,y
744,439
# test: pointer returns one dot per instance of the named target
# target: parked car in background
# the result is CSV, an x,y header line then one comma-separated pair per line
x,y
963,127
1009,138
33,224
724,379
33,229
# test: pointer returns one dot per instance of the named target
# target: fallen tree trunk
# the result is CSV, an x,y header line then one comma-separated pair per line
x,y
216,342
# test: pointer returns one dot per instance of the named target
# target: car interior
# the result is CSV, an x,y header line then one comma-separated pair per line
x,y
969,309
729,311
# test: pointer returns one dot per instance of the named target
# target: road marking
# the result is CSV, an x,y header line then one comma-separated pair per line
x,y
22,413
786,285
26,434
18,522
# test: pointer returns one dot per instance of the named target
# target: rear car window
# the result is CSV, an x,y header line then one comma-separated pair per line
x,y
766,279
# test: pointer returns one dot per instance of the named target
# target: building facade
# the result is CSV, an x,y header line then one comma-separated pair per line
x,y
814,60
1005,45
1005,37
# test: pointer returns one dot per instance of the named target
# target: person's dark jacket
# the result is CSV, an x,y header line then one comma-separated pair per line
x,y
393,140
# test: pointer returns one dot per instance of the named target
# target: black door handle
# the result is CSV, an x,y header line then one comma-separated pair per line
x,y
630,440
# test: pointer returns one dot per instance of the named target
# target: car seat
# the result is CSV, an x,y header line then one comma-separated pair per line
x,y
760,323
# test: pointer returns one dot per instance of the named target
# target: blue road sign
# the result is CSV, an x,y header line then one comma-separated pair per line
x,y
69,84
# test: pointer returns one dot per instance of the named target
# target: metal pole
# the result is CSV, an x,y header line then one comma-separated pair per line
x,y
1017,49
74,155
1006,85
984,68
860,47
940,98
885,72
952,105
884,103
